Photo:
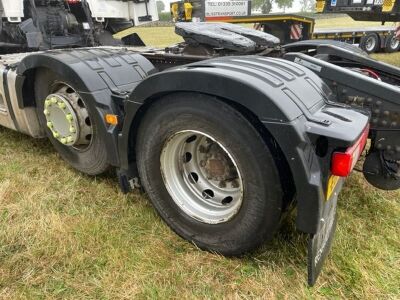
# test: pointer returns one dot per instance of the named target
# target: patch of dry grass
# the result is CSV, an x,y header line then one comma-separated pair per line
x,y
392,58
155,36
70,236
344,22
66,235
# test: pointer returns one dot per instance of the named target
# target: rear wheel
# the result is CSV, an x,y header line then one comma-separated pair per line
x,y
392,44
209,173
370,43
69,123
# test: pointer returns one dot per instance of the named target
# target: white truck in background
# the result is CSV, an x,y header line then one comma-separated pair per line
x,y
27,25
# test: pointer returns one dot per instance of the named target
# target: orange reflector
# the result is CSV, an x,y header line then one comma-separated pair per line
x,y
111,119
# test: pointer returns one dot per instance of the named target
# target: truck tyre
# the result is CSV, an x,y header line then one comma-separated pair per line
x,y
61,110
370,43
392,44
209,173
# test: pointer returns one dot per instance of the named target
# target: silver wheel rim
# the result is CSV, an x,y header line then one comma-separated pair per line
x,y
67,117
201,177
394,43
370,44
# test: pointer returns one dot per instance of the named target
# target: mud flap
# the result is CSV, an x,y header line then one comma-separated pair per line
x,y
319,244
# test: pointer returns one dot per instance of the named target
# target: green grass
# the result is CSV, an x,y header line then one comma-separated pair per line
x,y
66,235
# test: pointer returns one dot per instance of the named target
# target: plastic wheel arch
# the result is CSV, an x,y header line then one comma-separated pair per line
x,y
286,134
92,73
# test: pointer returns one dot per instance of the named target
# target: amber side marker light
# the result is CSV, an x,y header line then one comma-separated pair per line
x,y
111,119
343,162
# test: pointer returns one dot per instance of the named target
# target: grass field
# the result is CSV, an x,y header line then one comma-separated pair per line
x,y
66,235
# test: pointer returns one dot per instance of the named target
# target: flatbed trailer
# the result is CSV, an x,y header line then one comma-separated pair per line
x,y
362,10
369,39
290,28
224,134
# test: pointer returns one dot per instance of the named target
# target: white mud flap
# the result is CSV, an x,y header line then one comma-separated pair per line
x,y
319,244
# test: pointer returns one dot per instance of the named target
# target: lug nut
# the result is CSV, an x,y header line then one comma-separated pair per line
x,y
47,103
235,184
72,129
70,139
61,105
46,112
50,125
56,134
63,140
202,149
222,184
54,100
69,117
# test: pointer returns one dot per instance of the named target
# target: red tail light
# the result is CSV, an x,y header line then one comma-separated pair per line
x,y
344,162
73,1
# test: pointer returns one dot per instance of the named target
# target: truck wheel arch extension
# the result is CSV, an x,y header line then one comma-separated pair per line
x,y
103,76
272,90
85,67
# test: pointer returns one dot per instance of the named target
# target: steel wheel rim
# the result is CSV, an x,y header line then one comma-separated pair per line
x,y
394,43
201,177
370,44
80,118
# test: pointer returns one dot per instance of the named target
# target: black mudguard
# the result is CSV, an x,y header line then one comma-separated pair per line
x,y
291,102
103,76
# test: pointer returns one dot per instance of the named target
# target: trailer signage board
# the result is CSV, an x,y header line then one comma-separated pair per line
x,y
226,8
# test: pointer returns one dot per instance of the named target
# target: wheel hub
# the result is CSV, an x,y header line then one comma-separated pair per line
x,y
370,44
215,169
218,166
67,117
394,43
61,119
201,177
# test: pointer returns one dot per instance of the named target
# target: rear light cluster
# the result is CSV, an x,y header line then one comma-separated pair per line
x,y
343,162
73,1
